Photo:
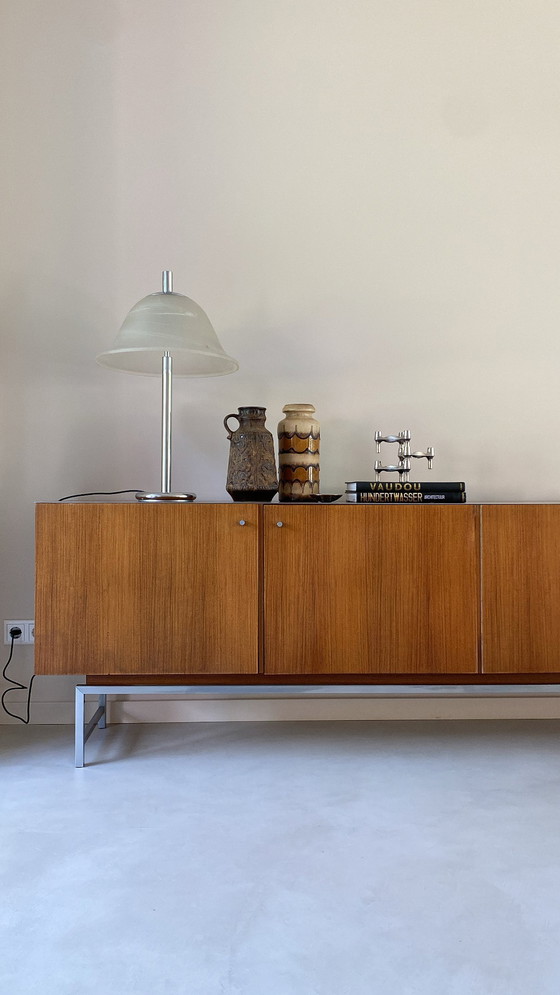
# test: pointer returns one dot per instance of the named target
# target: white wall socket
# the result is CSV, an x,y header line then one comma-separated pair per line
x,y
27,627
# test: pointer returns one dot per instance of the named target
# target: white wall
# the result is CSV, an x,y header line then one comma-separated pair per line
x,y
363,195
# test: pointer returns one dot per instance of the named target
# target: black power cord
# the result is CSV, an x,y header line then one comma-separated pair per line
x,y
15,633
99,494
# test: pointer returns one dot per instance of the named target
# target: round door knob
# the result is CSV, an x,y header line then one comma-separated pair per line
x,y
279,524
242,521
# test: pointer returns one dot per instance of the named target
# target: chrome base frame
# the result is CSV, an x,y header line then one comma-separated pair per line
x,y
84,730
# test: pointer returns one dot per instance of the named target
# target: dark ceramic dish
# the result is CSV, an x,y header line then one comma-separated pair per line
x,y
314,499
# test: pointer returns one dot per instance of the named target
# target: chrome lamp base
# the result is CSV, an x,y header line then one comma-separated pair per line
x,y
164,496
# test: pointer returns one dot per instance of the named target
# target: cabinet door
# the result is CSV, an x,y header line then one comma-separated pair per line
x,y
359,589
521,588
146,589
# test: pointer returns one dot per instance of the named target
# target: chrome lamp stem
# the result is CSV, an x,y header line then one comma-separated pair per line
x,y
166,494
166,400
166,417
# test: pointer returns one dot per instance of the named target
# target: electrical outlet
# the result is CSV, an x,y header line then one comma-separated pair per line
x,y
27,627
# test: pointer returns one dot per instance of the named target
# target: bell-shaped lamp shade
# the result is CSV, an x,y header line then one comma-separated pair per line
x,y
168,322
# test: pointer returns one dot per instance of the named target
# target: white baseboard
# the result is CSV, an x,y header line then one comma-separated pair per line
x,y
165,709
335,709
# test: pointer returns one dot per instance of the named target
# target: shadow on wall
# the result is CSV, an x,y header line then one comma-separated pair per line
x,y
57,414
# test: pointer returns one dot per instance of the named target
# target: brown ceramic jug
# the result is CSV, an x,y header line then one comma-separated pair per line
x,y
252,468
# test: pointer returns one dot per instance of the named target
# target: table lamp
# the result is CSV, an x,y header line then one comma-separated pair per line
x,y
165,334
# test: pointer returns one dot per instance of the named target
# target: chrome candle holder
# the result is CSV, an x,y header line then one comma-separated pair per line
x,y
404,454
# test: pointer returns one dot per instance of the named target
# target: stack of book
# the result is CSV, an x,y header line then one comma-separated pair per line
x,y
411,492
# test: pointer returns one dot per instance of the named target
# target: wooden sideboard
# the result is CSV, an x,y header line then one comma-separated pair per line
x,y
253,593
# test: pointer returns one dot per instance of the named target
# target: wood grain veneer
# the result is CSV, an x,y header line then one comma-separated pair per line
x,y
521,588
146,589
340,593
352,589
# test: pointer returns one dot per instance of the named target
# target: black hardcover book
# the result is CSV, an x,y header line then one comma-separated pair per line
x,y
396,486
405,497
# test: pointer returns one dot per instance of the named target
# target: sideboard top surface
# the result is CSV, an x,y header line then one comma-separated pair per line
x,y
299,504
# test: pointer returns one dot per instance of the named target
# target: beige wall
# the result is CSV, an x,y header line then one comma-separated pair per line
x,y
362,195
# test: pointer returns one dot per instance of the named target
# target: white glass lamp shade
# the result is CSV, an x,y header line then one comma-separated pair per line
x,y
168,322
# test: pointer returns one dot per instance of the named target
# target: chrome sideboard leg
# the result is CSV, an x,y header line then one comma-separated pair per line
x,y
79,730
103,717
84,730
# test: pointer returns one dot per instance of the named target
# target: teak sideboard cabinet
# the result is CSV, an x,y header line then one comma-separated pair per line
x,y
283,593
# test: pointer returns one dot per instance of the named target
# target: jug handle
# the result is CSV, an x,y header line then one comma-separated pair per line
x,y
226,426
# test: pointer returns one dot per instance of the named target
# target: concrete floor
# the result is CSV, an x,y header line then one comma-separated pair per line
x,y
348,858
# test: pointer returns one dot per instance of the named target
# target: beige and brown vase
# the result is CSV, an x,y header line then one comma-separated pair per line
x,y
251,468
299,439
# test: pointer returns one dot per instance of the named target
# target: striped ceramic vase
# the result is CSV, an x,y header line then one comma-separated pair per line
x,y
299,439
